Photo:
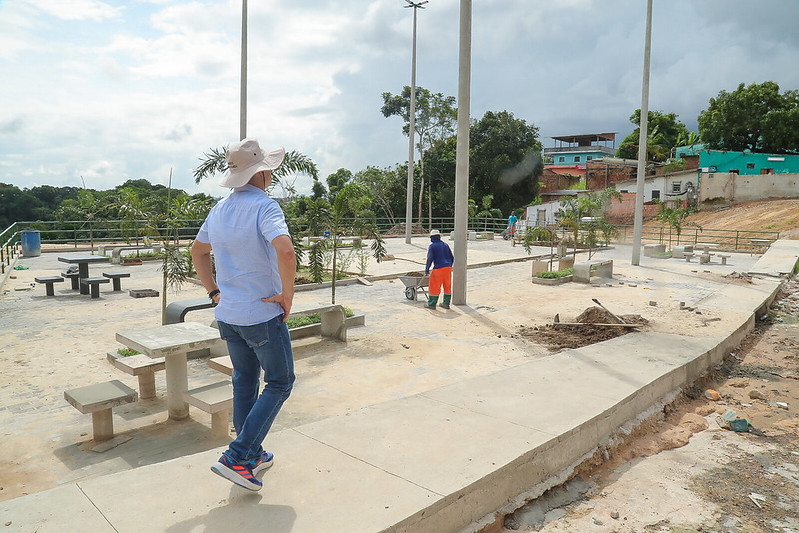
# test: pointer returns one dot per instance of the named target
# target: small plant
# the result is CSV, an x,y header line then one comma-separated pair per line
x,y
556,274
127,352
307,320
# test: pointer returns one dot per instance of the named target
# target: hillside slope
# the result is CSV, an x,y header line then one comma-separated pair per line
x,y
768,215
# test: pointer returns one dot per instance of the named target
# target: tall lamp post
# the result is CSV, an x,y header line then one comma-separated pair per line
x,y
411,127
462,153
243,111
638,218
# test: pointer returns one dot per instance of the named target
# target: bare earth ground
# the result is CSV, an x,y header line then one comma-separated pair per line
x,y
687,471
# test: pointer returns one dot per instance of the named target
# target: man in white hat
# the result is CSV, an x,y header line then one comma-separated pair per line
x,y
253,291
440,257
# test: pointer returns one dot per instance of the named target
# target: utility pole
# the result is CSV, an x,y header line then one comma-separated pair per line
x,y
638,220
411,127
462,154
243,112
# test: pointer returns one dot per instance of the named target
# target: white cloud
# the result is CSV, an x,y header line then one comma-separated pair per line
x,y
111,93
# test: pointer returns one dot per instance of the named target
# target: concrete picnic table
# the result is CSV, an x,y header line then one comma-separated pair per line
x,y
706,246
82,261
173,342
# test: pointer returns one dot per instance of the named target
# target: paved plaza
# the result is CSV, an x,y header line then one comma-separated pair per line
x,y
422,421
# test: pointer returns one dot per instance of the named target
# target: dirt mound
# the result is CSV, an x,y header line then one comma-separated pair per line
x,y
769,215
564,336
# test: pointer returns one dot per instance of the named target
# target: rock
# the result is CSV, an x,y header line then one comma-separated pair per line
x,y
694,422
614,515
756,395
738,383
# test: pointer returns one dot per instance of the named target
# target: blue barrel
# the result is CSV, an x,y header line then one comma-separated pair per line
x,y
31,243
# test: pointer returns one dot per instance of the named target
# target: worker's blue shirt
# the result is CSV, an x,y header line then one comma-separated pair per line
x,y
439,255
240,230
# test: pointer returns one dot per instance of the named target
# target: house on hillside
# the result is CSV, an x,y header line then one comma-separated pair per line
x,y
571,153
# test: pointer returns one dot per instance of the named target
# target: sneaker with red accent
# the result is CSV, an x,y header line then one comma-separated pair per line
x,y
262,464
239,473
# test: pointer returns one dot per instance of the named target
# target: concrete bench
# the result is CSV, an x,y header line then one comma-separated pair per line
x,y
485,235
222,364
98,400
654,250
705,258
116,252
216,399
176,311
724,258
74,277
94,285
48,281
143,367
334,320
601,267
680,250
116,277
688,256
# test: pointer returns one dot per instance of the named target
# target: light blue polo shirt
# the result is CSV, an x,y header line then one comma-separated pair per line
x,y
240,229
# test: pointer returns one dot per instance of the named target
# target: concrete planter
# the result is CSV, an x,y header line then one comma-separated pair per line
x,y
552,281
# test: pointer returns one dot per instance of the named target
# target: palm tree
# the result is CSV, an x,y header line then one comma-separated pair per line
x,y
214,162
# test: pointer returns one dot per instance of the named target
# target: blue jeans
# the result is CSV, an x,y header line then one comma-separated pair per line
x,y
267,347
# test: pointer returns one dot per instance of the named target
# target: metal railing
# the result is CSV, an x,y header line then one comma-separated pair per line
x,y
733,240
102,231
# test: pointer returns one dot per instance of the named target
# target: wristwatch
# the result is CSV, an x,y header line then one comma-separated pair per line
x,y
212,294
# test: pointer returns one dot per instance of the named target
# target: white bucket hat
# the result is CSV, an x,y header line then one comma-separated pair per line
x,y
435,232
245,159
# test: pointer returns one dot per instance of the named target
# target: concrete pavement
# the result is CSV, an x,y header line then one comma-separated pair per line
x,y
443,458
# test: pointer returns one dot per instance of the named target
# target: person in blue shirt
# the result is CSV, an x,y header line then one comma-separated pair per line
x,y
512,219
253,290
440,257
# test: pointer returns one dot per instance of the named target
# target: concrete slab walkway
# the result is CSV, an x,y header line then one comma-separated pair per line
x,y
441,458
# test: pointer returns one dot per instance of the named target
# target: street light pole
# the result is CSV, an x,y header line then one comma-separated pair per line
x,y
638,219
462,154
243,111
411,127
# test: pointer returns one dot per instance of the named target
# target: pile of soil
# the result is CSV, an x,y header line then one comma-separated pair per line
x,y
560,337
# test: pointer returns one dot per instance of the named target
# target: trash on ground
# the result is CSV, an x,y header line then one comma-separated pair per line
x,y
739,425
20,267
711,394
757,498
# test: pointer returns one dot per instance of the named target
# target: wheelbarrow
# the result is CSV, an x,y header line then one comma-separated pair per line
x,y
413,284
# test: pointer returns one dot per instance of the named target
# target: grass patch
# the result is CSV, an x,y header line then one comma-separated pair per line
x,y
556,274
127,352
307,320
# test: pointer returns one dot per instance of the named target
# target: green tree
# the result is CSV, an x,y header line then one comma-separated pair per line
x,y
336,181
436,118
675,218
504,160
214,162
664,132
387,189
486,212
755,117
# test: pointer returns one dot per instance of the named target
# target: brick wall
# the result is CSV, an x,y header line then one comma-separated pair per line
x,y
624,212
552,181
601,175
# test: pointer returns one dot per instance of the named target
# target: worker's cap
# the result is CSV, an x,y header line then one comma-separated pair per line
x,y
435,232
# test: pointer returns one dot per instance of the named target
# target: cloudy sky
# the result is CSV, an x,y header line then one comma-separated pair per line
x,y
104,91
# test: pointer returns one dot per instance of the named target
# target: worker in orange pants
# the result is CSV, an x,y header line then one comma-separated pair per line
x,y
440,257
